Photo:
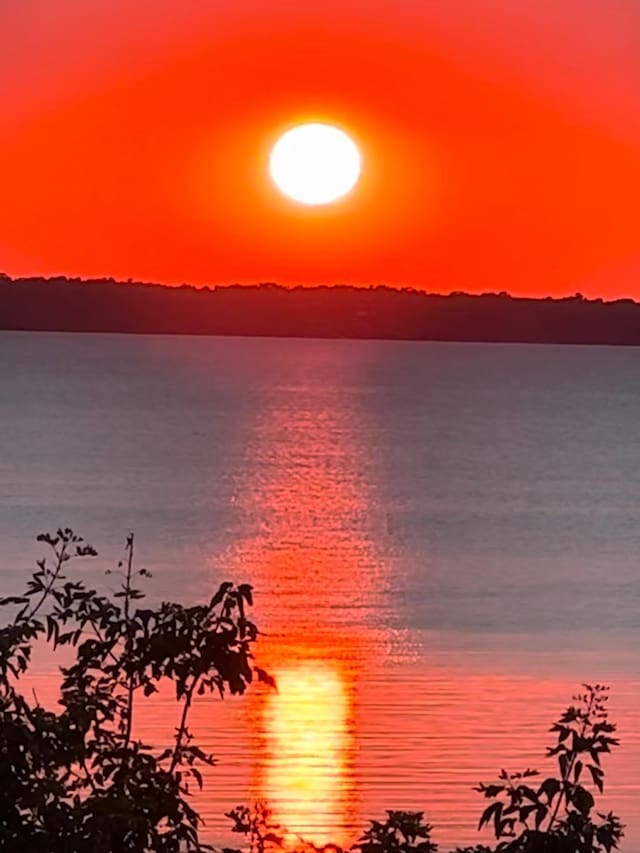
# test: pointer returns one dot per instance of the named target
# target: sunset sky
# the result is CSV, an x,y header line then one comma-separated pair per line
x,y
500,141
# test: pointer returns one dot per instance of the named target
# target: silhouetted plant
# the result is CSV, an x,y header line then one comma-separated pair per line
x,y
79,780
260,831
401,832
556,816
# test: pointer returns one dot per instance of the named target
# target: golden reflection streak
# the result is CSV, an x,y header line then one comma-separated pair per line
x,y
306,733
311,562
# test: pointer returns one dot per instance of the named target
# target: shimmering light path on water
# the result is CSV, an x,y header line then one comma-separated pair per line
x,y
444,542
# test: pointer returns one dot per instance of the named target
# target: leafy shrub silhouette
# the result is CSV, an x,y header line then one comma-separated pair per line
x,y
401,832
78,780
557,815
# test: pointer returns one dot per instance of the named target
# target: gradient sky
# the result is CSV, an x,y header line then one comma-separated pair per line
x,y
501,141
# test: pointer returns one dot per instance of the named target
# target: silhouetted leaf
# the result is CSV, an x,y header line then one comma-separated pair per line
x,y
597,776
492,812
582,800
541,813
265,678
550,787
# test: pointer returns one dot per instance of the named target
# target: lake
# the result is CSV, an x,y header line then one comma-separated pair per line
x,y
444,541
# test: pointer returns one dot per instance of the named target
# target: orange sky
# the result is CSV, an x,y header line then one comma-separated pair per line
x,y
501,141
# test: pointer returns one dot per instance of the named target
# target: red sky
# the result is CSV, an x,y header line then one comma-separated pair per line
x,y
501,141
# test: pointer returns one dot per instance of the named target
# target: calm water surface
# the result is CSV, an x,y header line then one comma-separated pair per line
x,y
444,540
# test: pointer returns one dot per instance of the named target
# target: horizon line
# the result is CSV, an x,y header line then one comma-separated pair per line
x,y
401,289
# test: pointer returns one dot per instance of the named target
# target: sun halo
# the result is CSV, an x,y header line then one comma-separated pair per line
x,y
315,163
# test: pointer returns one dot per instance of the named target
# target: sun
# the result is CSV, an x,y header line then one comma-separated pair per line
x,y
315,163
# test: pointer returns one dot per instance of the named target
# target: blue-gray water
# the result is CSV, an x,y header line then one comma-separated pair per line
x,y
444,541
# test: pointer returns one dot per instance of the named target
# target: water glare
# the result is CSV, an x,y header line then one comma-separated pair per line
x,y
306,734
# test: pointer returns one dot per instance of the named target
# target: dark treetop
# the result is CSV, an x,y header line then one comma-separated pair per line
x,y
72,305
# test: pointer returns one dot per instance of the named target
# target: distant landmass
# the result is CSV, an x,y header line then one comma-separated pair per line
x,y
105,305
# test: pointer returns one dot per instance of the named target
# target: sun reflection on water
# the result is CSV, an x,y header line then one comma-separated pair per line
x,y
312,560
305,774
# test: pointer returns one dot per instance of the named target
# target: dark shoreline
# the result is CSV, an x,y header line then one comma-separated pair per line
x,y
330,312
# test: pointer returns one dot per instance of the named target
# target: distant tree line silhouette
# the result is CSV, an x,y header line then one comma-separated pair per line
x,y
78,780
104,305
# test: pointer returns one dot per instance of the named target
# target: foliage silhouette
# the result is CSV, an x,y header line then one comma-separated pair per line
x,y
79,781
554,816
401,832
337,311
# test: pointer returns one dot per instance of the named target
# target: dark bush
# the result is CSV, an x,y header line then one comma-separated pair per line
x,y
78,781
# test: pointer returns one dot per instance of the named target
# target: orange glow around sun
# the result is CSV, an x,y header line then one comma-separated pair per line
x,y
502,153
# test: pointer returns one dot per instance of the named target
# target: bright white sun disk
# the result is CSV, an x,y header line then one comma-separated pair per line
x,y
315,163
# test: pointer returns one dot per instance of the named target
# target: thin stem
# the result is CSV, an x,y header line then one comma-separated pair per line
x,y
129,549
101,638
88,776
54,577
128,644
567,775
189,696
183,723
